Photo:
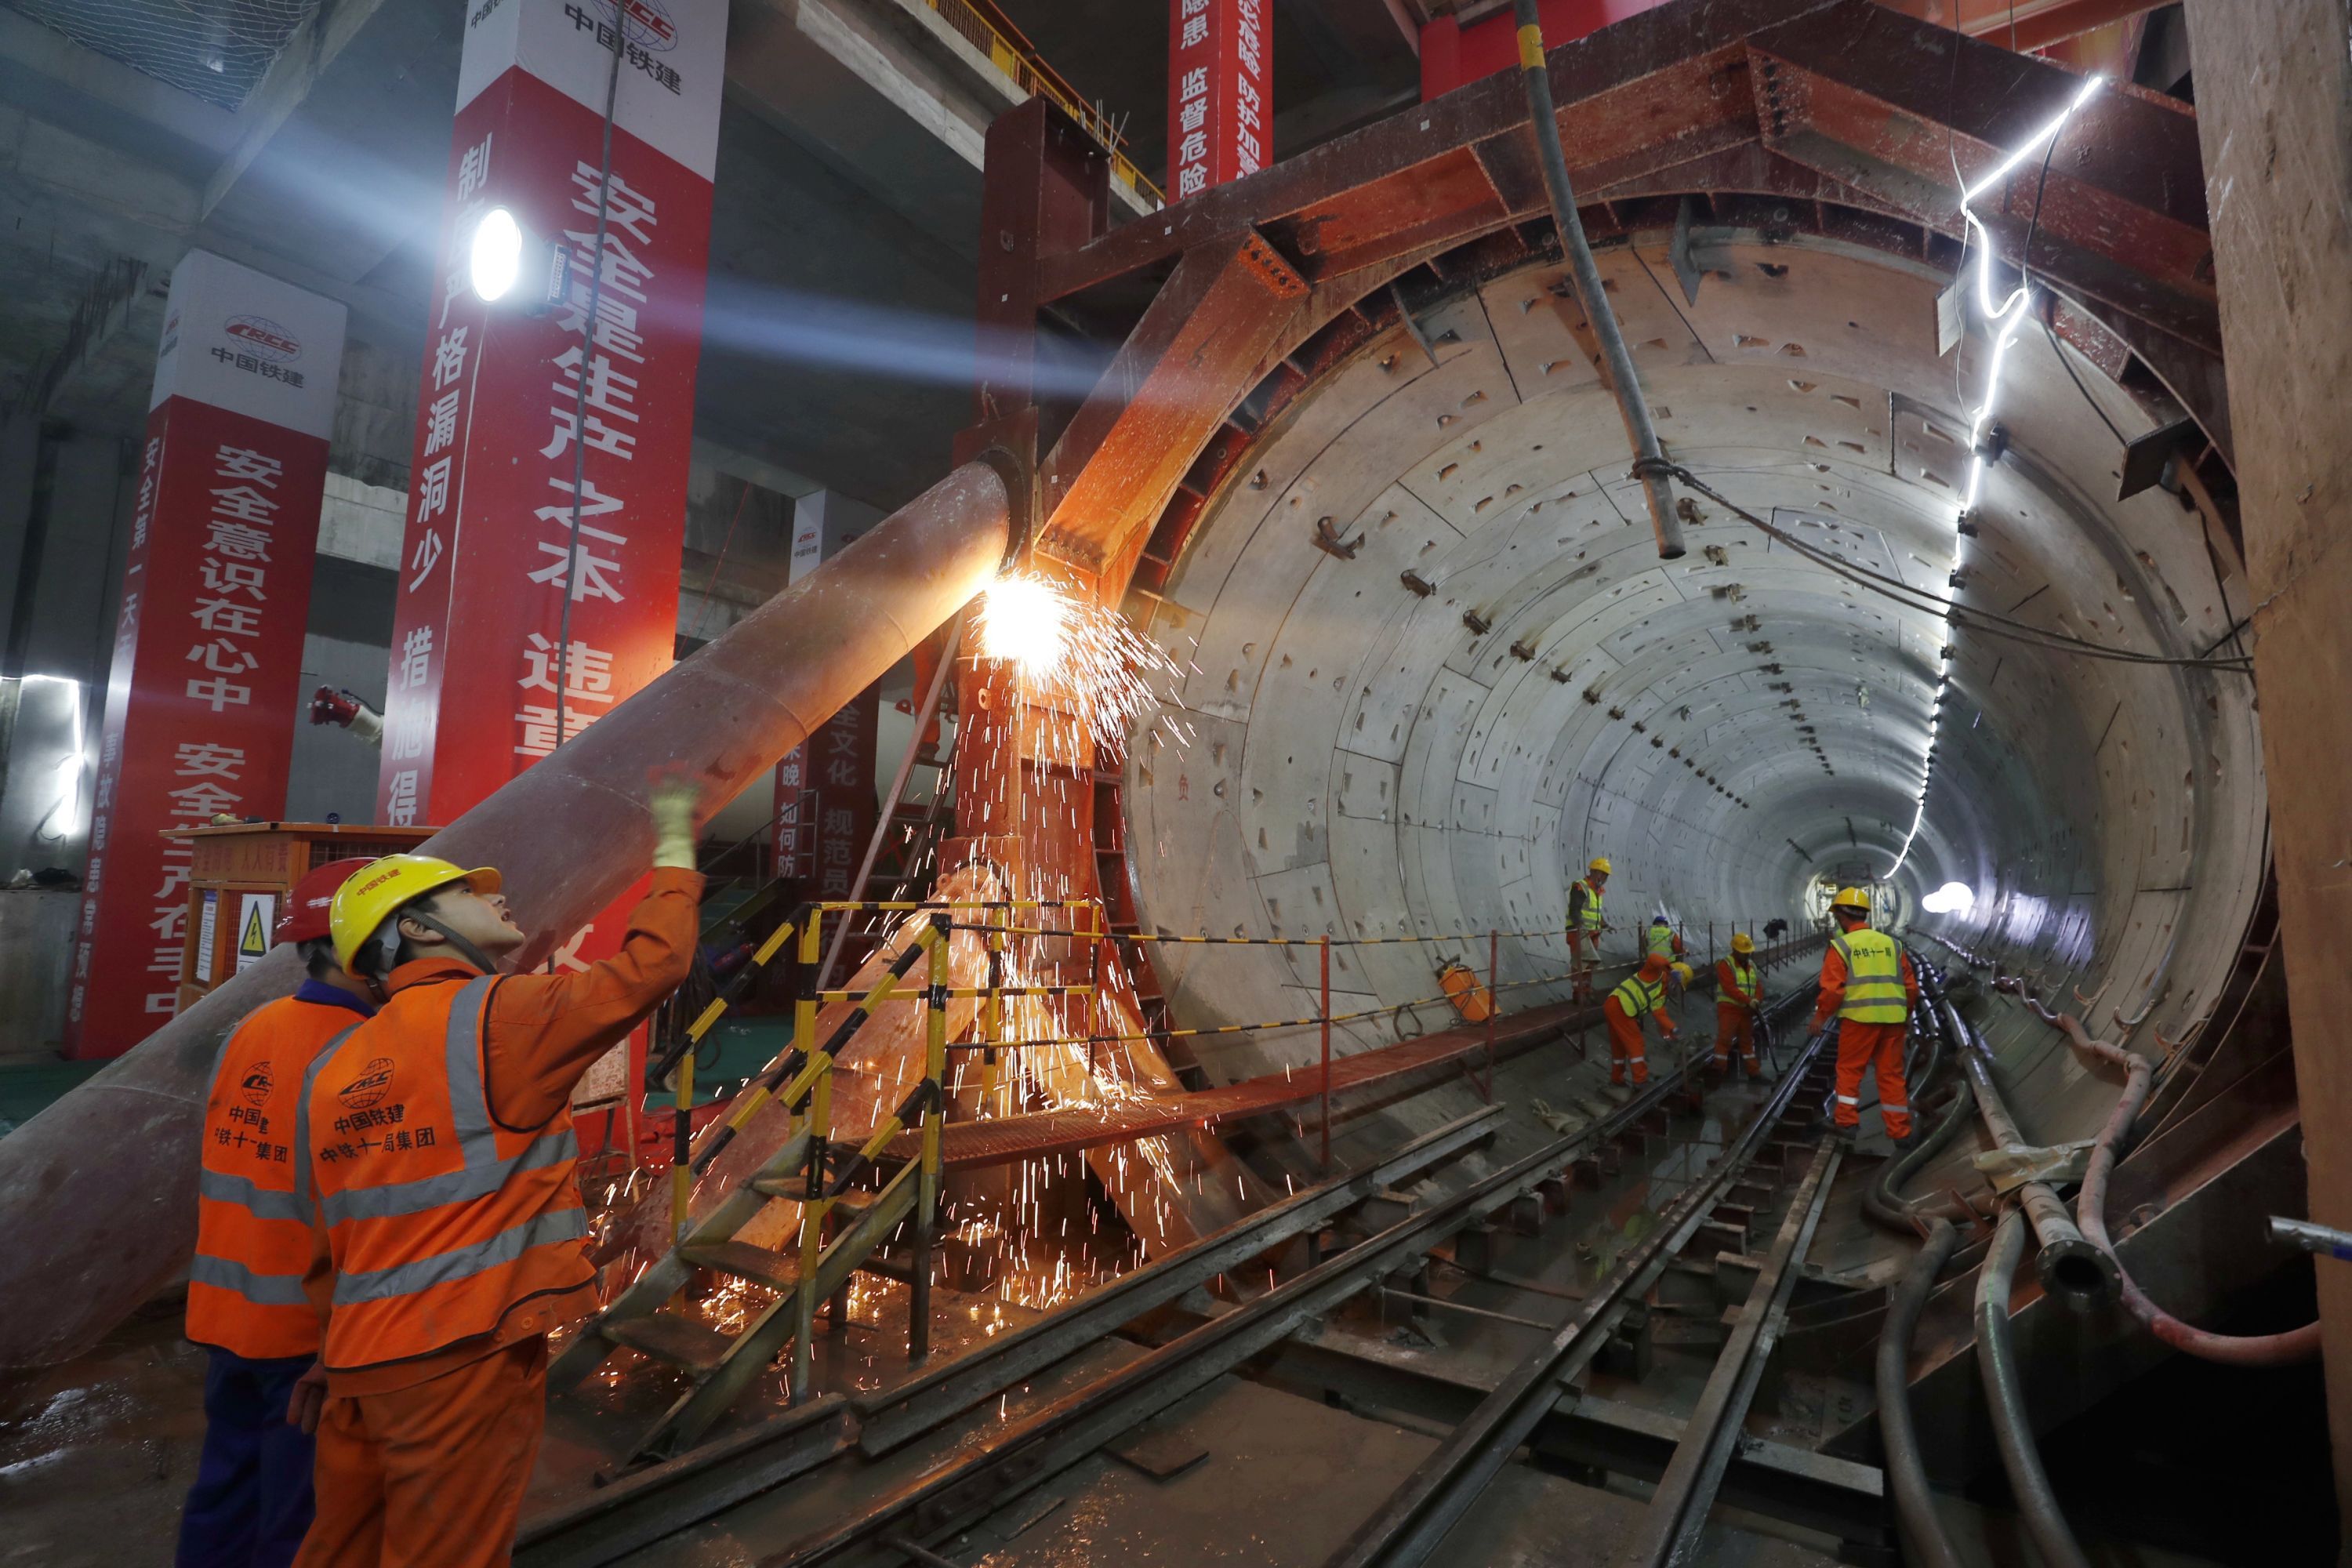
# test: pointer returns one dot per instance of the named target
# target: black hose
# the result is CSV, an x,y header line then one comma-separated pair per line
x,y
1924,1542
2013,1430
1882,1200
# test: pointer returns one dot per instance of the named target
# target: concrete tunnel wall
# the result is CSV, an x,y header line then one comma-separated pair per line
x,y
1364,763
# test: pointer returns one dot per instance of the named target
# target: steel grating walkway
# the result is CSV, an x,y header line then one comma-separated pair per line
x,y
1013,1139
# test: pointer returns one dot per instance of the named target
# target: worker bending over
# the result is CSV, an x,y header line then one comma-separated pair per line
x,y
1739,997
441,1147
251,1500
1585,925
1664,940
1641,994
1867,983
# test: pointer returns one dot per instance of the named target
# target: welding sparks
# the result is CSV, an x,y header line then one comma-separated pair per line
x,y
1084,675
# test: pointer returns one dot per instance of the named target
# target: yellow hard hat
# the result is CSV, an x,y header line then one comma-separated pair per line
x,y
1856,899
1684,971
368,897
1742,942
1600,864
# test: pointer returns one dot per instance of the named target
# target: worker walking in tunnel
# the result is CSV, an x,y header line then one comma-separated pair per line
x,y
448,1233
1585,925
1738,996
251,1500
1640,995
1867,983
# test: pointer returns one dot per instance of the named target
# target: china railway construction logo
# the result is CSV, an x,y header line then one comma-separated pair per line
x,y
369,1086
646,23
256,1085
264,339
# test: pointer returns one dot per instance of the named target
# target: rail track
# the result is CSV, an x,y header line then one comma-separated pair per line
x,y
906,1514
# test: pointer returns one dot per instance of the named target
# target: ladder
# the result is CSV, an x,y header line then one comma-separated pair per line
x,y
837,1236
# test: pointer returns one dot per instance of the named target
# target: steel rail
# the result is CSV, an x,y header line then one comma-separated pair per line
x,y
1676,1516
1408,1529
647,1504
954,1495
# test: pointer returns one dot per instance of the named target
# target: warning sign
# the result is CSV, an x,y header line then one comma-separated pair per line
x,y
258,913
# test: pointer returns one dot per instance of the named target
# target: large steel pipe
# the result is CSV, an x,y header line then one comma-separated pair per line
x,y
98,1193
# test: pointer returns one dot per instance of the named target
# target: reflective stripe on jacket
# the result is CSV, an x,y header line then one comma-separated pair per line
x,y
1639,997
1662,940
1732,974
1585,916
440,1220
252,1236
1874,977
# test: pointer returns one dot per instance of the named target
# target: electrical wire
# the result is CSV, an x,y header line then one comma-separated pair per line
x,y
1951,610
562,673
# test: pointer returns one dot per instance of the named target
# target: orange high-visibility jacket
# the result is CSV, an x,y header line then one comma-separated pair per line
x,y
439,1221
1735,982
252,1236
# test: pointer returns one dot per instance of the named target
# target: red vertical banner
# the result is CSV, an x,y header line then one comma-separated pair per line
x,y
555,423
487,676
1220,92
201,697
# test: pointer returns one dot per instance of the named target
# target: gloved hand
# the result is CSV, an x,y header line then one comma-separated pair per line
x,y
671,804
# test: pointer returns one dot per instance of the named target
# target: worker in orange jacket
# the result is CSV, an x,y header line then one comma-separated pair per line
x,y
1868,985
251,1500
1638,996
448,1234
1739,994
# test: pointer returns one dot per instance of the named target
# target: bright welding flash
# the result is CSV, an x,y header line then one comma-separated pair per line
x,y
495,260
1026,621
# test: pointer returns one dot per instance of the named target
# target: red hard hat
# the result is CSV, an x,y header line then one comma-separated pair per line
x,y
304,918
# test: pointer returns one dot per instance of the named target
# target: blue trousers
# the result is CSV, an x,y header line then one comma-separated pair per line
x,y
251,1503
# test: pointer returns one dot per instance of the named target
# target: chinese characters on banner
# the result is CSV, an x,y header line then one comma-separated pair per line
x,y
824,801
483,682
203,695
1220,92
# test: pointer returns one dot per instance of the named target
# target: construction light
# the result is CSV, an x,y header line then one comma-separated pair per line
x,y
496,261
507,266
1951,899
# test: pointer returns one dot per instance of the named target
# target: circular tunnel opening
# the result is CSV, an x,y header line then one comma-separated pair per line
x,y
1432,661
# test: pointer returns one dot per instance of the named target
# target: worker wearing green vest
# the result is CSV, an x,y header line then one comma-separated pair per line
x,y
1868,984
1585,925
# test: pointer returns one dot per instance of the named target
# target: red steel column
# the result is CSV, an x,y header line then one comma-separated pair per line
x,y
201,702
1220,92
478,643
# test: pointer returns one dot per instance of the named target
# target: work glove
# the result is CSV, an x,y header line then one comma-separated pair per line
x,y
671,804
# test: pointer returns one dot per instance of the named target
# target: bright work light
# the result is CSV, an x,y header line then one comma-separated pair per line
x,y
496,257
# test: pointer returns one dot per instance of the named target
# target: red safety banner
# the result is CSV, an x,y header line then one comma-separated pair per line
x,y
205,688
1220,92
546,468
479,649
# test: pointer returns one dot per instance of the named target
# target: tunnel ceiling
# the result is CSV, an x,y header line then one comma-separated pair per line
x,y
1435,663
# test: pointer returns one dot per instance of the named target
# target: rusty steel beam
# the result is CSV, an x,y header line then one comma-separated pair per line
x,y
1211,333
2023,24
1859,97
96,1191
1887,105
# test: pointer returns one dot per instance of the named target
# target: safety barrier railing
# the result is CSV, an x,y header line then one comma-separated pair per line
x,y
800,1079
989,31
